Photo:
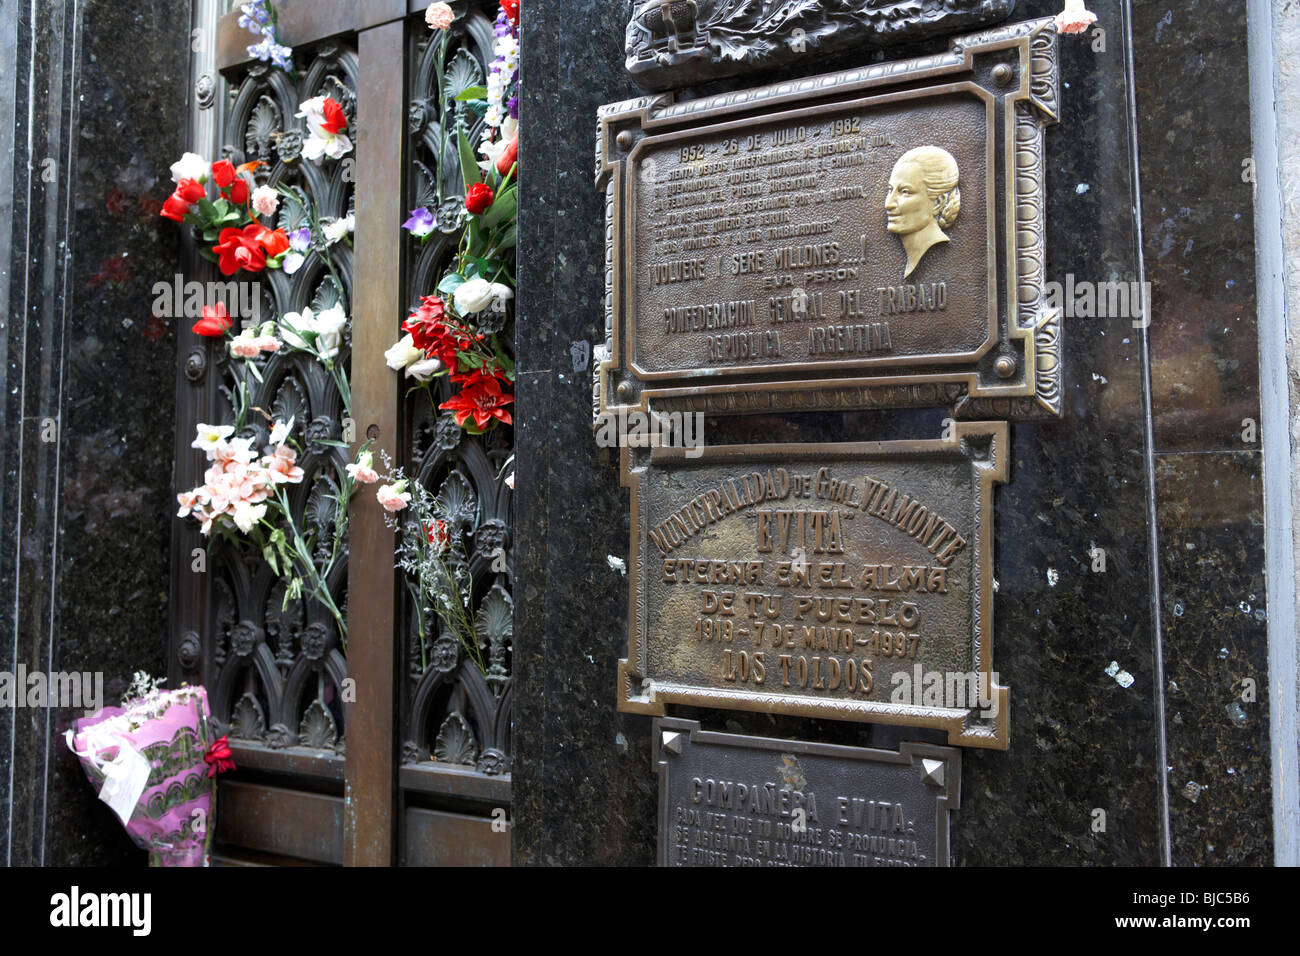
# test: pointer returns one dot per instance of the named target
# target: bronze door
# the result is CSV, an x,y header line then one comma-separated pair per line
x,y
395,749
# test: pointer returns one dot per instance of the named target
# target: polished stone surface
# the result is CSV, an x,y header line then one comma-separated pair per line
x,y
87,515
1075,637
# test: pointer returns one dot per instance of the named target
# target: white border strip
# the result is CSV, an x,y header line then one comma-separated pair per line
x,y
1275,410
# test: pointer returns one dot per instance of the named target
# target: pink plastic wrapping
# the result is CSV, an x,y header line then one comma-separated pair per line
x,y
172,818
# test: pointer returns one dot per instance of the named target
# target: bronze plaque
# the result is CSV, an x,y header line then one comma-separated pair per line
x,y
850,581
735,800
878,229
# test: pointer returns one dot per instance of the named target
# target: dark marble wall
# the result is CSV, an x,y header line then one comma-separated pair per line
x,y
1148,461
87,500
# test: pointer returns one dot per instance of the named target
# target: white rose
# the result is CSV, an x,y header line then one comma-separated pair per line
x,y
477,294
336,229
329,330
292,324
424,369
191,166
403,353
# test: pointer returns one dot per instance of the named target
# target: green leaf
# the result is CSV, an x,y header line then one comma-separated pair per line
x,y
450,283
502,208
330,441
506,240
468,164
472,93
208,210
268,555
208,254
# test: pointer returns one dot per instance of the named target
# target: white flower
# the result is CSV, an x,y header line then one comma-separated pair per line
x,y
510,482
292,262
294,323
336,229
402,353
280,431
246,515
266,200
321,142
477,294
329,330
424,369
191,166
246,345
210,436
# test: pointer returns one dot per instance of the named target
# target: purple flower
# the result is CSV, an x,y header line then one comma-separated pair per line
x,y
300,239
512,105
421,223
254,16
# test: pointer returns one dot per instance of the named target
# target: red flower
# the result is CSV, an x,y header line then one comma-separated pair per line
x,y
509,157
187,193
174,208
274,241
191,190
438,536
511,7
240,250
239,193
431,333
223,173
479,198
481,399
219,757
335,119
215,322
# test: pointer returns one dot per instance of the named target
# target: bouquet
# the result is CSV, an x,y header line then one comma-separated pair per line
x,y
154,761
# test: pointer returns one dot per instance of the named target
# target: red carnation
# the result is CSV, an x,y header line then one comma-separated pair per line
x,y
240,249
479,198
223,174
219,757
215,322
438,534
239,193
511,7
481,399
335,119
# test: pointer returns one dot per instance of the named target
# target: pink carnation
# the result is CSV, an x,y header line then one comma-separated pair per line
x,y
1075,18
439,16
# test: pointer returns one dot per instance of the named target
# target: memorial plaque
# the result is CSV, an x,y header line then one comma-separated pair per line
x,y
867,238
849,581
735,800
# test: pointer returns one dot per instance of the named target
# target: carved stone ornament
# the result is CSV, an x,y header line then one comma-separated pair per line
x,y
867,239
673,43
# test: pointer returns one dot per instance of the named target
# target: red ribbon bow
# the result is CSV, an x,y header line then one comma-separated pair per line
x,y
219,757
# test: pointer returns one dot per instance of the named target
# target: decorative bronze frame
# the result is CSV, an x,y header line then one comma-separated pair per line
x,y
642,692
1028,334
672,735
